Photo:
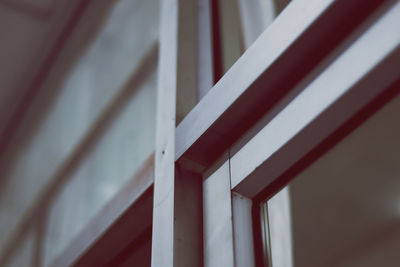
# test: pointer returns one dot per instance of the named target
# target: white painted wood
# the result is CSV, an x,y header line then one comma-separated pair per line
x,y
256,15
261,55
217,220
243,231
164,189
166,146
360,73
280,229
177,218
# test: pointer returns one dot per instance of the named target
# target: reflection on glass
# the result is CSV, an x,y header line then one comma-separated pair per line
x,y
345,207
239,23
85,134
256,16
122,62
266,238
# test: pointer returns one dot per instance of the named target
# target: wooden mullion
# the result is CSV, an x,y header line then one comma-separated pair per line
x,y
164,180
177,210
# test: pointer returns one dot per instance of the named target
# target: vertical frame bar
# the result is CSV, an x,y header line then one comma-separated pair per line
x,y
218,229
177,212
243,231
162,253
280,229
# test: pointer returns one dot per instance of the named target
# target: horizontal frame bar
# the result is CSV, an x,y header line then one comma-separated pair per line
x,y
360,74
287,50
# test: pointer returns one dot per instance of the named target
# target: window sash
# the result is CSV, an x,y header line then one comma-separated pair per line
x,y
270,76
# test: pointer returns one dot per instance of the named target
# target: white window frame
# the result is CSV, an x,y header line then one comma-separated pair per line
x,y
284,141
266,117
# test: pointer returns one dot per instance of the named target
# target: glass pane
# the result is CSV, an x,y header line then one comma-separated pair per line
x,y
124,132
89,129
239,23
25,253
137,254
345,208
256,16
